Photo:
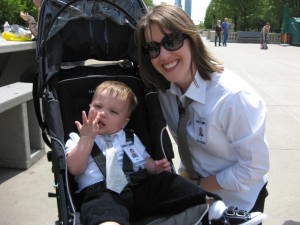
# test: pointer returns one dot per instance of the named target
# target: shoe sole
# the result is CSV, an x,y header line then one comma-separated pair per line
x,y
256,218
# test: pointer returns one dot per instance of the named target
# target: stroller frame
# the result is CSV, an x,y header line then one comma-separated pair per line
x,y
72,62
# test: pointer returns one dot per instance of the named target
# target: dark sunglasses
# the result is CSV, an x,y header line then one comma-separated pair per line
x,y
171,42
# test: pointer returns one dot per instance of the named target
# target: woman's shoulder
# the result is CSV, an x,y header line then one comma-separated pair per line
x,y
231,82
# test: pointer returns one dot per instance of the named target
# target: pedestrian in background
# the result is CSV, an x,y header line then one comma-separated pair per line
x,y
32,24
264,34
218,30
225,29
28,75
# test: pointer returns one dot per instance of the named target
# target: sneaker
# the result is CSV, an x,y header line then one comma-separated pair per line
x,y
232,215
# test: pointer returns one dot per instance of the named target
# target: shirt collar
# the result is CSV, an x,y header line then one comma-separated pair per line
x,y
115,135
196,91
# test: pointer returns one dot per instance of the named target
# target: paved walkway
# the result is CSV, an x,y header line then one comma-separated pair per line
x,y
274,73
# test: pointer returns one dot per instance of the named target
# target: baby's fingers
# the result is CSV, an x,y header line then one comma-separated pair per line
x,y
78,125
84,118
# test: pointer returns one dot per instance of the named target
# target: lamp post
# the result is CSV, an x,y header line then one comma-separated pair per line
x,y
213,18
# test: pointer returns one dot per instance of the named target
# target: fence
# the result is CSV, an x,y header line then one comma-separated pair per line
x,y
274,38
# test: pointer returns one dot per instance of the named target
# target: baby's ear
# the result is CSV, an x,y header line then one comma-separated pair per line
x,y
125,122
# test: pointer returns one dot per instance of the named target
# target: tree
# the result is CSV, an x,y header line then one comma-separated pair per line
x,y
149,3
250,14
10,10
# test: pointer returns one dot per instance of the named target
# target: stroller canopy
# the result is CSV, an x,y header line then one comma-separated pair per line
x,y
106,31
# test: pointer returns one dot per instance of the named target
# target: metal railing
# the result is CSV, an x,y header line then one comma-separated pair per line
x,y
274,38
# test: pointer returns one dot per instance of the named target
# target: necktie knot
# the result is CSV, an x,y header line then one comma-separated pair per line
x,y
108,141
183,109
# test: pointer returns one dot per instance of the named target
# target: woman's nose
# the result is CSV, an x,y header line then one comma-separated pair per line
x,y
164,53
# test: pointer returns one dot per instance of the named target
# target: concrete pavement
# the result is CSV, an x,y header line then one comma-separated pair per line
x,y
274,73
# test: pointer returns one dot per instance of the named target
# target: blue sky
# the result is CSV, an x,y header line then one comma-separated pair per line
x,y
198,8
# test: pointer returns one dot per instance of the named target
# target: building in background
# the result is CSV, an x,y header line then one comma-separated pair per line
x,y
178,3
188,7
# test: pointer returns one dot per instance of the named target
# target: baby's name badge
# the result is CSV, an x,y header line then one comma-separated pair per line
x,y
200,130
134,155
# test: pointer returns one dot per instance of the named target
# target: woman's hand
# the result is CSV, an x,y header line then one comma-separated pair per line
x,y
210,184
25,16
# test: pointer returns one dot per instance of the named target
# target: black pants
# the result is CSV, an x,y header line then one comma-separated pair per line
x,y
260,201
259,205
161,194
218,35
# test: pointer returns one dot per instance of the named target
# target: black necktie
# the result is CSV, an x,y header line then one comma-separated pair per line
x,y
182,141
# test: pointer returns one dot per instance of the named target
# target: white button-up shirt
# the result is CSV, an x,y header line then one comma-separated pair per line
x,y
225,134
92,173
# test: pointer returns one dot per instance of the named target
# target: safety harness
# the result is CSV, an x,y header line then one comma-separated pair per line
x,y
133,178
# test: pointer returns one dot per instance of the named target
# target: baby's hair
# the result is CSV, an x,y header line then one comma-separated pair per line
x,y
119,90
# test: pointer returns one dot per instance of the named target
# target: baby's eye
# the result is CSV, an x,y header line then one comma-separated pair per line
x,y
97,106
114,112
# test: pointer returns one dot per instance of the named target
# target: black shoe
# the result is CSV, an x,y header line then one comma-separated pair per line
x,y
234,216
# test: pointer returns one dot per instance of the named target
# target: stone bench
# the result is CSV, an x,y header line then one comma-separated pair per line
x,y
21,142
248,37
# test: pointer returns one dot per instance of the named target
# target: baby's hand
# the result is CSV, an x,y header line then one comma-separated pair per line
x,y
89,124
162,165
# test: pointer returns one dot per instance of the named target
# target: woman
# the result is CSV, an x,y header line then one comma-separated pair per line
x,y
218,30
231,158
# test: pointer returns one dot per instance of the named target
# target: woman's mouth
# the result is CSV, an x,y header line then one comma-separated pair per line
x,y
171,65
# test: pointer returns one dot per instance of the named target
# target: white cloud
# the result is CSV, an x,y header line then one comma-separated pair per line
x,y
198,8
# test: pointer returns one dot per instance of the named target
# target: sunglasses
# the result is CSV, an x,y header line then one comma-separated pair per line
x,y
170,42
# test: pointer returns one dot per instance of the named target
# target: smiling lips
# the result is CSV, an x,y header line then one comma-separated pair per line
x,y
170,65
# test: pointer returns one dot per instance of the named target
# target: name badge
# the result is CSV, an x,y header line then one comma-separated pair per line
x,y
200,130
134,155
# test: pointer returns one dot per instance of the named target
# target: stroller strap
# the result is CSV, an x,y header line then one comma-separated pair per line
x,y
134,178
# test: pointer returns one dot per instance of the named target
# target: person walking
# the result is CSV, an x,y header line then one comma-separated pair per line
x,y
225,29
218,30
264,36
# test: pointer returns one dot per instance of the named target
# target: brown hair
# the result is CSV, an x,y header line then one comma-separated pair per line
x,y
173,18
119,90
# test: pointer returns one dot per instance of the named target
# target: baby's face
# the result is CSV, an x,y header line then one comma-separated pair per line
x,y
112,112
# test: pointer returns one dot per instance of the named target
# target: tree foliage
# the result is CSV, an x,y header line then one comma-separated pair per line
x,y
149,3
250,14
10,10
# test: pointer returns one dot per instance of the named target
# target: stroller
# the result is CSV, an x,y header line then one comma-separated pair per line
x,y
81,44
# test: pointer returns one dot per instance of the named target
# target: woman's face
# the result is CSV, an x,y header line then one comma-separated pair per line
x,y
175,66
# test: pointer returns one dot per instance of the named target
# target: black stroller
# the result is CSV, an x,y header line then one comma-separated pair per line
x,y
81,44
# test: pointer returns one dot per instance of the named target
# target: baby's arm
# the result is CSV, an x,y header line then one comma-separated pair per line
x,y
78,157
157,166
